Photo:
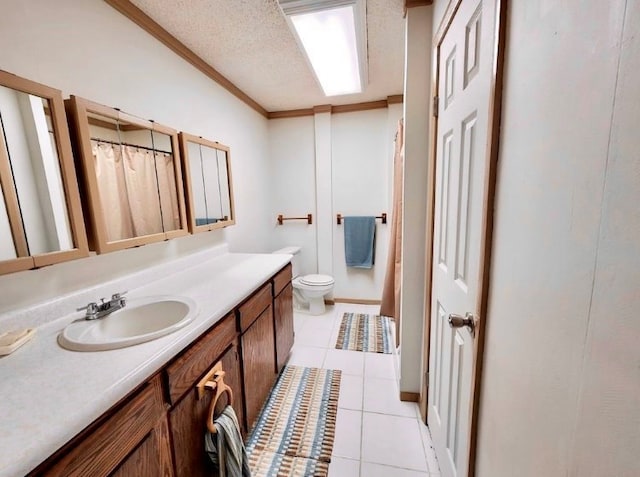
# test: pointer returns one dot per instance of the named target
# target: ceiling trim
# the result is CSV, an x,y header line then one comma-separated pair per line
x,y
341,108
322,108
416,3
291,113
348,108
145,22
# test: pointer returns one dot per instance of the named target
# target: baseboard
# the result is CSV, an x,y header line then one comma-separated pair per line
x,y
329,302
357,301
409,397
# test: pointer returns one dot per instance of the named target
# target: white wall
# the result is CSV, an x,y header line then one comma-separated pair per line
x,y
560,394
328,164
416,153
90,50
293,185
360,157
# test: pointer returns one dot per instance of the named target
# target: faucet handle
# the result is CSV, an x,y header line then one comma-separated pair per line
x,y
117,296
91,308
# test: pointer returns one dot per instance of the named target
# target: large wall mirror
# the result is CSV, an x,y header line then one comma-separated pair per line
x,y
40,213
132,176
207,173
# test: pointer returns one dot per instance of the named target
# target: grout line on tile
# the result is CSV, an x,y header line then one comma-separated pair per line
x,y
424,444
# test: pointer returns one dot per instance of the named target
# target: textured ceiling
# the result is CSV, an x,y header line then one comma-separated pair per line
x,y
250,43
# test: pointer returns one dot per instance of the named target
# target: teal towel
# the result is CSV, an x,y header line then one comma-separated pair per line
x,y
225,448
359,241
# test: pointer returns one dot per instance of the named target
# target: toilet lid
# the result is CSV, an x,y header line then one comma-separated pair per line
x,y
317,280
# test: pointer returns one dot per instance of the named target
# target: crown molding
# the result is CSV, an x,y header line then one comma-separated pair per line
x,y
337,109
416,3
145,22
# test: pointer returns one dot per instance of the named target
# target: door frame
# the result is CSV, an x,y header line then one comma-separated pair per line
x,y
493,135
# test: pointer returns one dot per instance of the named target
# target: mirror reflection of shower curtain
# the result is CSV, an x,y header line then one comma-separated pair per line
x,y
168,191
128,190
112,191
142,190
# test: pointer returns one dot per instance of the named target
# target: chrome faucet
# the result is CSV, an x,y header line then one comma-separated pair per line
x,y
95,310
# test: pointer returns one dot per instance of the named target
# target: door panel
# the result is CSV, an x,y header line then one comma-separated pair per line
x,y
465,62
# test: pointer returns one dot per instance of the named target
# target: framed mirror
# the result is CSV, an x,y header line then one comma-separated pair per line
x,y
40,212
207,174
131,174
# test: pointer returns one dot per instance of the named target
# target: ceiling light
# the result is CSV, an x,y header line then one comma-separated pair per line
x,y
332,34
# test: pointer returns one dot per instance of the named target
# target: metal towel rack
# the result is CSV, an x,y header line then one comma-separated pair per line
x,y
214,380
308,218
382,217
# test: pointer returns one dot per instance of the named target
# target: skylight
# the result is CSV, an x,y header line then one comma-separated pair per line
x,y
329,37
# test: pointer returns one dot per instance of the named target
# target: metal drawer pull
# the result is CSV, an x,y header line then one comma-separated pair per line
x,y
214,380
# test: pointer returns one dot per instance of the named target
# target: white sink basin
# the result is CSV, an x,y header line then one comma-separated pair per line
x,y
141,320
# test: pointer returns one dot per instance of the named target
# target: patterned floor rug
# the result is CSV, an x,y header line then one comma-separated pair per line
x,y
272,464
363,332
295,432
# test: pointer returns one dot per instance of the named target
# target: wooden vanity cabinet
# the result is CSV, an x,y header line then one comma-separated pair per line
x,y
188,414
159,429
132,441
283,316
188,421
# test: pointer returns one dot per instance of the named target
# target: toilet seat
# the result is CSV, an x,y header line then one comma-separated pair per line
x,y
316,280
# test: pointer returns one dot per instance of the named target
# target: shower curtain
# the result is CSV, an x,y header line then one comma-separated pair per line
x,y
391,292
137,190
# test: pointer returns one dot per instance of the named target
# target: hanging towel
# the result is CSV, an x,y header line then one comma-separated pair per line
x,y
225,448
359,241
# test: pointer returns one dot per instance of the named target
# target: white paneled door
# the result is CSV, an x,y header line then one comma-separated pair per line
x,y
466,70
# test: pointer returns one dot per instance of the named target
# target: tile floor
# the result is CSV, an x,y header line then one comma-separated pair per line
x,y
376,433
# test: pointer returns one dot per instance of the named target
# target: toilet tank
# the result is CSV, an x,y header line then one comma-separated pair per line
x,y
295,261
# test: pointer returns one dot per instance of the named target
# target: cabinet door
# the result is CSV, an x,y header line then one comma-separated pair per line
x,y
259,364
135,432
283,316
151,458
188,421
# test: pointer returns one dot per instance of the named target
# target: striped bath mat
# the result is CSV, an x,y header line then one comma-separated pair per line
x,y
294,434
268,464
363,332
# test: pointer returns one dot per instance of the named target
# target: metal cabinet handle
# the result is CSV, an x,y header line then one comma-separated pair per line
x,y
458,321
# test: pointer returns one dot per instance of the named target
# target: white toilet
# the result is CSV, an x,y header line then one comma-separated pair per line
x,y
308,290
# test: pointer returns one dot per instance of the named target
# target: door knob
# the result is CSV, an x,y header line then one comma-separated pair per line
x,y
458,321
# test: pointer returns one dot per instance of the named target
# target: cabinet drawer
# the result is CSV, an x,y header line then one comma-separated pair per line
x,y
193,363
281,280
254,306
99,453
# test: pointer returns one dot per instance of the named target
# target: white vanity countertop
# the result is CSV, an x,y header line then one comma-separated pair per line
x,y
49,394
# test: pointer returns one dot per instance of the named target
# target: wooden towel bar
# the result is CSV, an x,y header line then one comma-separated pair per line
x,y
382,217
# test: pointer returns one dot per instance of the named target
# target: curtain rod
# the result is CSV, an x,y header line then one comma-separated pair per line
x,y
131,145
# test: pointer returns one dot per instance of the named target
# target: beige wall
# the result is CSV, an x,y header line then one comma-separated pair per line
x,y
561,389
417,103
88,49
353,180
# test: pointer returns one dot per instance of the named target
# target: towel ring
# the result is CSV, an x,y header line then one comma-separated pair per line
x,y
218,385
